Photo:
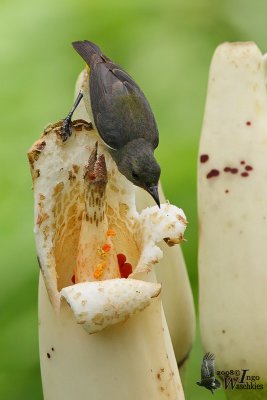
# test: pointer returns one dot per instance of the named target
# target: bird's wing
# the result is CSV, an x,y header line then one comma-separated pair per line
x,y
208,367
121,111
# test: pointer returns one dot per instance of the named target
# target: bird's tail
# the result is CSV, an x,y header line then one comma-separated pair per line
x,y
88,50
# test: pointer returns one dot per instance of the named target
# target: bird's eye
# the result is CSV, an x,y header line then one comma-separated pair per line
x,y
134,175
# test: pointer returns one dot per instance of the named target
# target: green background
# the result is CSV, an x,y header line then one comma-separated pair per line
x,y
167,47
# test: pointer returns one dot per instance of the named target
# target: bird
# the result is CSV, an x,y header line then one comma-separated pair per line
x,y
122,117
208,379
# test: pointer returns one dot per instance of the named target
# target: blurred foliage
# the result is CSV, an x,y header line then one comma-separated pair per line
x,y
167,47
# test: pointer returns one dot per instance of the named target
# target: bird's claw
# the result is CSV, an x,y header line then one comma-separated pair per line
x,y
66,129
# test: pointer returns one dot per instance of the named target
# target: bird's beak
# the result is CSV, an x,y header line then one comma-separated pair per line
x,y
153,190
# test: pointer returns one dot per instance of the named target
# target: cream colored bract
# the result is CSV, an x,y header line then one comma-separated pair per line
x,y
80,196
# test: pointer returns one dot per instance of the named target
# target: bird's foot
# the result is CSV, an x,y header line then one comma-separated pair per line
x,y
66,129
66,126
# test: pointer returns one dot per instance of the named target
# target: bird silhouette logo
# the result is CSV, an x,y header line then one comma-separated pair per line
x,y
208,379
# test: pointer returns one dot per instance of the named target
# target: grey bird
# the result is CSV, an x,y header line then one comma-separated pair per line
x,y
122,117
208,379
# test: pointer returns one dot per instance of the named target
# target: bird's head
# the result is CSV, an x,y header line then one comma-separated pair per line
x,y
137,163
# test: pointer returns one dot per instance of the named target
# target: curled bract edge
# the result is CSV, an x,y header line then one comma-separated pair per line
x,y
89,236
97,305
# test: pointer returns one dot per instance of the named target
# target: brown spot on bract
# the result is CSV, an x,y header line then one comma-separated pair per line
x,y
46,232
35,152
48,355
57,125
40,146
173,241
123,208
158,376
226,191
31,159
80,124
76,168
84,124
223,331
72,176
41,218
59,187
114,188
248,123
98,319
78,127
248,168
244,174
82,317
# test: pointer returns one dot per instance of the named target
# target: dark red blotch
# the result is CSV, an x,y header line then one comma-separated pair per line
x,y
125,268
231,170
213,173
204,158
